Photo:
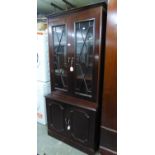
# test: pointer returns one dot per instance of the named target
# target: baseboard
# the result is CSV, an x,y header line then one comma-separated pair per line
x,y
108,140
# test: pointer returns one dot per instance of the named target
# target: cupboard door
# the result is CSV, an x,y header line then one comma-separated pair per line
x,y
84,53
79,125
60,56
87,52
58,52
55,116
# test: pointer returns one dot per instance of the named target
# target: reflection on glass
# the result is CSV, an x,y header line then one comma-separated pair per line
x,y
84,41
60,56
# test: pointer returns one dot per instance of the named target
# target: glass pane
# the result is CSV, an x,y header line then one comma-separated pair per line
x,y
60,56
84,57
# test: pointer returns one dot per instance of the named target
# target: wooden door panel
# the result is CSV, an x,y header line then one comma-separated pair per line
x,y
56,115
80,125
76,125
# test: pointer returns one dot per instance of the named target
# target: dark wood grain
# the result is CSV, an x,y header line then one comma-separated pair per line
x,y
82,124
108,134
56,113
57,96
109,107
93,12
108,139
71,11
83,114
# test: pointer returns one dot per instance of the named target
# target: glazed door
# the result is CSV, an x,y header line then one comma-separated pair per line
x,y
58,53
86,52
74,46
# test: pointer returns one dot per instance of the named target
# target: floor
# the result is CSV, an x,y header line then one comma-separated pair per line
x,y
47,145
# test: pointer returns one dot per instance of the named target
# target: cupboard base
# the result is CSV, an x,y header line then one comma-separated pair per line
x,y
73,123
87,150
